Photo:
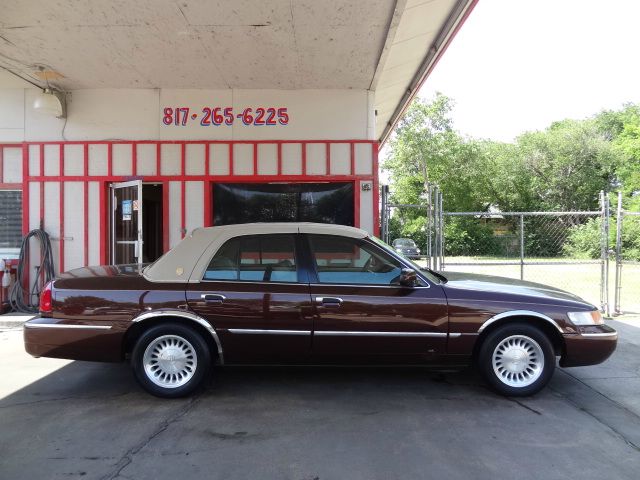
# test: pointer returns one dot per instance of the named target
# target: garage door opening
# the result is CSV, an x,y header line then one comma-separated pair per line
x,y
331,202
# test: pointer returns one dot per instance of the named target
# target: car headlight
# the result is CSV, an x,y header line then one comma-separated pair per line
x,y
593,317
418,251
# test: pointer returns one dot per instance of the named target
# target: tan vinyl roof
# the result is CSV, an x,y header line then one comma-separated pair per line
x,y
187,261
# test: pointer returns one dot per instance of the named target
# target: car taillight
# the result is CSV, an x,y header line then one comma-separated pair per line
x,y
45,299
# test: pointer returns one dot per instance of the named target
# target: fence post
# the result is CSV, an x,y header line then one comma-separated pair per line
x,y
604,252
521,247
441,232
434,212
617,309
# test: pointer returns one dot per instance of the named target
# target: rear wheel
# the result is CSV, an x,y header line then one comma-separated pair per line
x,y
517,359
171,360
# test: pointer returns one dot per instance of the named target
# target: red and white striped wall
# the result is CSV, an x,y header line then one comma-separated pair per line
x,y
65,185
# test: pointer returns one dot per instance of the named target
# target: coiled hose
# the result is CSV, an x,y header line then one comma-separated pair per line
x,y
19,299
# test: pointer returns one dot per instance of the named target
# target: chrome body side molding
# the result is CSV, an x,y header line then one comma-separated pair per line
x,y
519,313
260,331
338,333
67,326
186,315
600,335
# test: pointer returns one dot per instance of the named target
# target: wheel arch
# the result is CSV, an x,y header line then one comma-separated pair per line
x,y
546,324
146,320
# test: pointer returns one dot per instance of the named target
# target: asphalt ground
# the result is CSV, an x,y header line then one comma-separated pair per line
x,y
62,419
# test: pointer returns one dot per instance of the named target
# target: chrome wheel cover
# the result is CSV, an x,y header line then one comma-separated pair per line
x,y
170,361
518,361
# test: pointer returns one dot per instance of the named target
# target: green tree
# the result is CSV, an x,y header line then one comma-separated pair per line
x,y
425,149
568,164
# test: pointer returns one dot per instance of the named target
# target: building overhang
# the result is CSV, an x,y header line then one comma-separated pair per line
x,y
385,46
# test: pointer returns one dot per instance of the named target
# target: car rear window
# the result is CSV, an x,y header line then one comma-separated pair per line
x,y
257,258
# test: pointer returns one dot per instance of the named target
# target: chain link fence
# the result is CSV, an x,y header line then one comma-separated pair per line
x,y
594,254
627,260
560,249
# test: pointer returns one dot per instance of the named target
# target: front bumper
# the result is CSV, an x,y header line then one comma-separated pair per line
x,y
57,338
590,346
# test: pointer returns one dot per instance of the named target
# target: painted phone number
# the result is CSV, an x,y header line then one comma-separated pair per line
x,y
217,116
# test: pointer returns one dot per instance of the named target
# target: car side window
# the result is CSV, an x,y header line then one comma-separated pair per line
x,y
257,258
352,261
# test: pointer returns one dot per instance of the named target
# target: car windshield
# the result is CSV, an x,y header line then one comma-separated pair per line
x,y
431,275
404,242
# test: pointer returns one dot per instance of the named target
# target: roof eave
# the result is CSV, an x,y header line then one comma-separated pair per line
x,y
451,27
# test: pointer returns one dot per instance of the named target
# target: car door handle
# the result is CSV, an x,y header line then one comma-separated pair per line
x,y
330,302
213,298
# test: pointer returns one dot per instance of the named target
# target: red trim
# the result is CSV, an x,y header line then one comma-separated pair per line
x,y
356,203
104,234
279,171
134,159
61,207
216,178
328,158
42,224
86,205
25,191
85,153
183,193
86,223
25,208
41,160
165,216
11,186
304,158
352,158
255,159
110,159
85,211
376,191
183,209
206,159
206,178
177,142
208,204
158,159
183,159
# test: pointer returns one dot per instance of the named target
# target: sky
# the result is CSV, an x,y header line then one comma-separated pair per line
x,y
519,65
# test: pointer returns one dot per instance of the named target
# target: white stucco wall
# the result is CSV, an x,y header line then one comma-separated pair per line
x,y
136,114
320,122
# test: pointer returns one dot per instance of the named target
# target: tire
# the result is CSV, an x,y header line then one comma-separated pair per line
x,y
517,360
171,360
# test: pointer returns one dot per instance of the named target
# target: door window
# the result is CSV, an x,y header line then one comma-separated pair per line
x,y
352,261
257,258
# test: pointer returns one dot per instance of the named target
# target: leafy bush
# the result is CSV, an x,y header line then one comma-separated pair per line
x,y
583,241
631,238
469,237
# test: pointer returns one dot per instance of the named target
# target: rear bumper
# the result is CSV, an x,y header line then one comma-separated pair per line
x,y
56,338
591,346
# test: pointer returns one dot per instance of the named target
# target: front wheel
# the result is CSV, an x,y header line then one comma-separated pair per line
x,y
517,360
171,360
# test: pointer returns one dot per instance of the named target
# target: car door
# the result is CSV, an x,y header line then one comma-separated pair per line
x,y
361,310
257,298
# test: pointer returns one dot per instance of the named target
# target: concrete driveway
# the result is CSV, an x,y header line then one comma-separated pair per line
x,y
62,419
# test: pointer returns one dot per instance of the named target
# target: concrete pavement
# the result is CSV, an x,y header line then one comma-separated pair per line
x,y
61,419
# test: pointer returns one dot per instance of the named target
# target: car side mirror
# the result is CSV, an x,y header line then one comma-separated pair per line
x,y
408,277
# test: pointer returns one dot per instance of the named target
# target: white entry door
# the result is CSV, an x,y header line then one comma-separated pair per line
x,y
126,222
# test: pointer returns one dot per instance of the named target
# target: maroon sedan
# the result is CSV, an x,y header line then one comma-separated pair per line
x,y
302,293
